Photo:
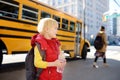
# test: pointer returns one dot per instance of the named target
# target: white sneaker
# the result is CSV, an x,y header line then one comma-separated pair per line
x,y
95,65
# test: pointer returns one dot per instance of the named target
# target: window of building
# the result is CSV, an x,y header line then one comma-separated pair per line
x,y
73,9
66,9
66,1
64,24
79,10
59,1
72,0
29,13
53,3
9,9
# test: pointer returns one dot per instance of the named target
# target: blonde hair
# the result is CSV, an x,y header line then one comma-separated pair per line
x,y
46,22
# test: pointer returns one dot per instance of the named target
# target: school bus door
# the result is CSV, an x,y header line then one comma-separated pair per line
x,y
78,33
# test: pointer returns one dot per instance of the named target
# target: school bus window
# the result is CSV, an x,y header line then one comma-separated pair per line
x,y
29,13
45,15
8,9
57,19
72,26
64,24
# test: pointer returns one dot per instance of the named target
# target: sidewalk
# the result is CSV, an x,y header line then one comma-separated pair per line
x,y
21,57
113,52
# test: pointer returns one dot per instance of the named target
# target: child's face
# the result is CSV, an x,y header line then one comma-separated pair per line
x,y
52,32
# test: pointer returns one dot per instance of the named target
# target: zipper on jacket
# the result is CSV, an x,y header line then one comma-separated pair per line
x,y
49,71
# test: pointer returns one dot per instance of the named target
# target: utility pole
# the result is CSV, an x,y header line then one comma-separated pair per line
x,y
83,25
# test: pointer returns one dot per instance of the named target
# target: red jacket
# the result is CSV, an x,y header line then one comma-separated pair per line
x,y
51,48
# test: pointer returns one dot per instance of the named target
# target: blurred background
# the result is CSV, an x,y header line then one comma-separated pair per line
x,y
97,13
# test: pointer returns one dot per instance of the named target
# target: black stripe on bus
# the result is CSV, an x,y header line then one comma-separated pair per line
x,y
65,36
19,52
67,30
69,50
26,37
16,29
66,40
14,36
16,20
23,30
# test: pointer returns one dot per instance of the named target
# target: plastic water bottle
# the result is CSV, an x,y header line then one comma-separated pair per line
x,y
61,69
62,59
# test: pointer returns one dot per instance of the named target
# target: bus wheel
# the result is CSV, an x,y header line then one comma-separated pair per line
x,y
84,52
1,57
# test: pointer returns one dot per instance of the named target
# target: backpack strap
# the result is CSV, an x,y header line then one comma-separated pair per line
x,y
42,53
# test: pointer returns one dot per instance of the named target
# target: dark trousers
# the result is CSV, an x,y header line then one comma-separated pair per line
x,y
104,58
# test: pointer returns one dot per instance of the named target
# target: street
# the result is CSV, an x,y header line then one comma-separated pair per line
x,y
83,70
76,69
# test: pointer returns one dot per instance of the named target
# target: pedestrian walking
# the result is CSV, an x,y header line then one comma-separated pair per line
x,y
100,47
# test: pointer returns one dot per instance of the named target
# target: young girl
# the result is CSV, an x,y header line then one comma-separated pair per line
x,y
47,29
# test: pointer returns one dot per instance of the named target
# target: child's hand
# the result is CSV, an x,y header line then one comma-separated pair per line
x,y
57,63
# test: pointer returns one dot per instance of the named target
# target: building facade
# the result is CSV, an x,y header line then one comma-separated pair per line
x,y
113,27
113,23
92,14
118,26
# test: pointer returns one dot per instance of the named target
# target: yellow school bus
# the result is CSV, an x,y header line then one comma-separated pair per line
x,y
18,23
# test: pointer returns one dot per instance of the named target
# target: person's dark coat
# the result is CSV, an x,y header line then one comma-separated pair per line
x,y
102,33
